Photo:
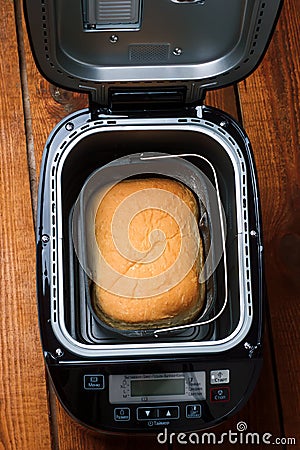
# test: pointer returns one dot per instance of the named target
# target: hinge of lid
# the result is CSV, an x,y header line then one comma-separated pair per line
x,y
159,100
147,100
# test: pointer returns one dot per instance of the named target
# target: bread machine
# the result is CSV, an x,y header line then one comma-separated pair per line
x,y
146,65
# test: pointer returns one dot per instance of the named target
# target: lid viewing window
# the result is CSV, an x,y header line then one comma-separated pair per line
x,y
111,15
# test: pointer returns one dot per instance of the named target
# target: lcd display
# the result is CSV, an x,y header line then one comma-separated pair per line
x,y
154,387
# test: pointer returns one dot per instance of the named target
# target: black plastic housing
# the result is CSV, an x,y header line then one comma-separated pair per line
x,y
67,370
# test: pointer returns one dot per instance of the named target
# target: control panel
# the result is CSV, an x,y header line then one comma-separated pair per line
x,y
147,401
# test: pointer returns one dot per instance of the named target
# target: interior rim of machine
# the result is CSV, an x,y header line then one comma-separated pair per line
x,y
158,347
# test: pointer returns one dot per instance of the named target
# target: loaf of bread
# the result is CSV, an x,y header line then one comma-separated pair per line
x,y
147,233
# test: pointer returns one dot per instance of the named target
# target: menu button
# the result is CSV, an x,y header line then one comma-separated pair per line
x,y
93,382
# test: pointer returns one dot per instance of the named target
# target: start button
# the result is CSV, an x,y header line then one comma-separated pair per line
x,y
219,376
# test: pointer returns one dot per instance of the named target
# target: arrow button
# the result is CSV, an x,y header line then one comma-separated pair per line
x,y
146,413
163,412
168,412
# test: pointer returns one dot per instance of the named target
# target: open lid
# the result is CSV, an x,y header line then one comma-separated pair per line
x,y
93,45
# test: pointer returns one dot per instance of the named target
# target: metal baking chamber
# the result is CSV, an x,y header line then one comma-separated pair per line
x,y
76,149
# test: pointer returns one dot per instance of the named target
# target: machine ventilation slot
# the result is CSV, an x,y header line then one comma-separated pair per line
x,y
256,37
148,53
45,32
53,223
257,29
116,11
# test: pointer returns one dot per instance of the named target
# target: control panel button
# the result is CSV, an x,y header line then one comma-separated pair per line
x,y
168,412
162,412
93,382
146,413
121,414
219,376
193,411
220,394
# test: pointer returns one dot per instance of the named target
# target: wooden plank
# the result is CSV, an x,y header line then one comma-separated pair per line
x,y
270,101
24,420
224,99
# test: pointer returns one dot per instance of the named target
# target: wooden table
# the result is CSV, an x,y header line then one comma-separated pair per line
x,y
267,104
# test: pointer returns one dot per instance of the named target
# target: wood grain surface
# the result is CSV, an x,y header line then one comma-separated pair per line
x,y
270,109
268,105
24,415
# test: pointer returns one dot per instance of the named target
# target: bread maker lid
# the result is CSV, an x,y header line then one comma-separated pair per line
x,y
92,44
